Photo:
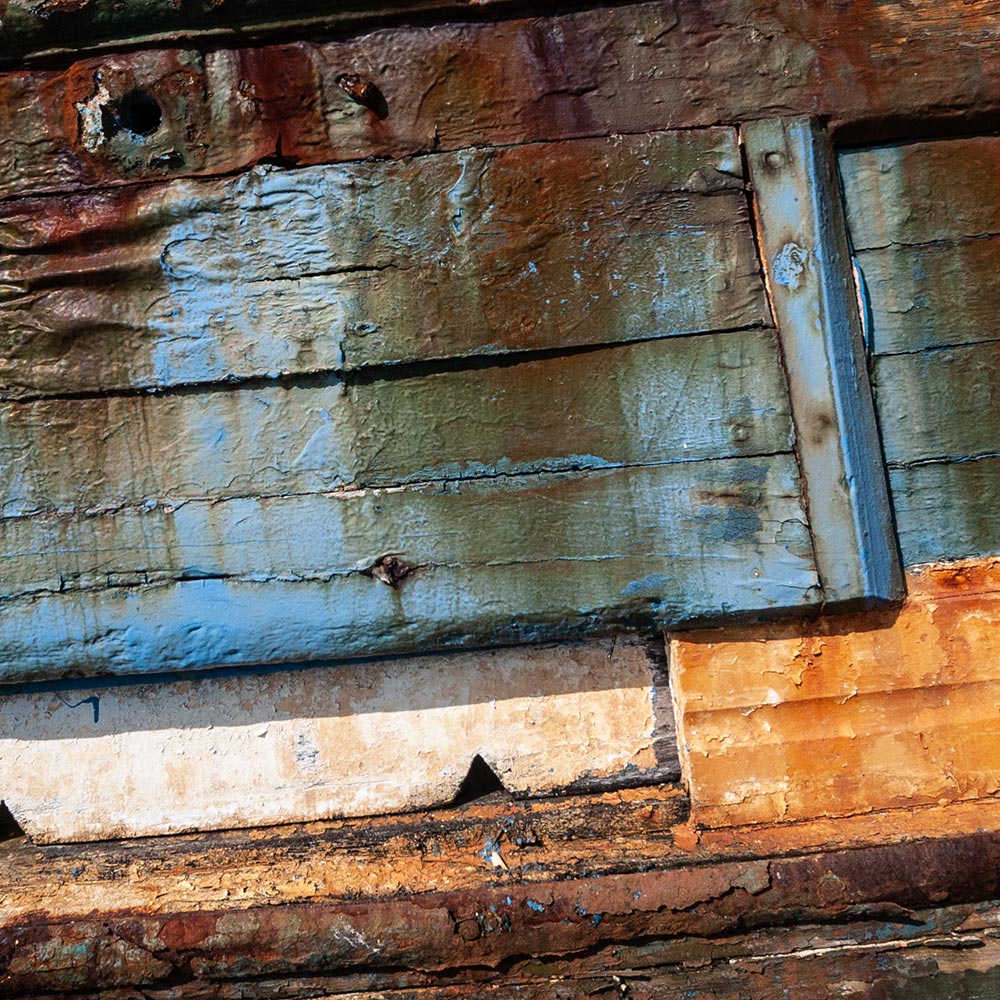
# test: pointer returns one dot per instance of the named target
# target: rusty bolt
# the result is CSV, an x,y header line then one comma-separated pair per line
x,y
365,93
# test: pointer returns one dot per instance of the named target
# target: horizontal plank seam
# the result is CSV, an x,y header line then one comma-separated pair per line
x,y
753,829
354,491
366,374
746,709
944,460
164,578
945,241
938,348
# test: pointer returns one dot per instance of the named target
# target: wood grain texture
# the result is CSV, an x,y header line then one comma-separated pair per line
x,y
806,257
710,918
932,295
523,559
628,69
947,510
939,404
680,400
676,514
846,714
337,268
919,192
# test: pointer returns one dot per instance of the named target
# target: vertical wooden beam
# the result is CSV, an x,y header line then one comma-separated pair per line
x,y
808,267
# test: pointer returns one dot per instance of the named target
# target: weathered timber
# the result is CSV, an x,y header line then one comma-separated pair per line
x,y
846,714
336,268
939,404
630,69
932,295
629,830
32,32
947,510
807,261
919,192
521,559
925,211
680,400
675,514
924,891
108,759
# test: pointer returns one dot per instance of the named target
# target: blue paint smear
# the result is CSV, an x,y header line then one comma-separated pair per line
x,y
652,585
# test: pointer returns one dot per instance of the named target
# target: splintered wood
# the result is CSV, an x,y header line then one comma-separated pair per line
x,y
846,714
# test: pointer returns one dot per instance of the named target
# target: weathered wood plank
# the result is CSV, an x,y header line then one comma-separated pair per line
x,y
939,403
919,192
541,246
683,399
674,513
805,251
532,930
285,746
932,295
947,510
845,714
522,559
630,69
29,31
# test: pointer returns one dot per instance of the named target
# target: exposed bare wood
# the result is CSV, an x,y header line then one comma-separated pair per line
x,y
506,927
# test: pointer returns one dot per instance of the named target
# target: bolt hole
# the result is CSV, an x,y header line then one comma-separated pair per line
x,y
139,112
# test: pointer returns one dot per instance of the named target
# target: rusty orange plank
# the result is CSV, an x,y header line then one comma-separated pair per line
x,y
846,714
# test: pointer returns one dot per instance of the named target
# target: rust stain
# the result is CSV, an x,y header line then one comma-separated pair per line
x,y
846,714
491,925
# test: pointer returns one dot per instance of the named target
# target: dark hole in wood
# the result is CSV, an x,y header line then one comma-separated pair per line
x,y
9,827
365,93
480,781
139,112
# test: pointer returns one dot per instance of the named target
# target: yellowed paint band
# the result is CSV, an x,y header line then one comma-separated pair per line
x,y
846,714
